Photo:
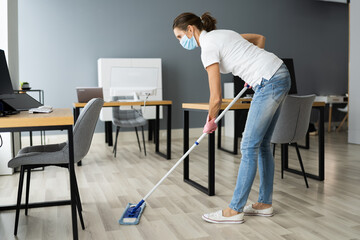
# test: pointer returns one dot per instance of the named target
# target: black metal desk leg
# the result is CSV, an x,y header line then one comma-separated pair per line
x,y
150,129
219,132
157,128
168,140
76,112
31,139
211,170
321,146
210,190
106,133
72,183
186,145
236,137
108,130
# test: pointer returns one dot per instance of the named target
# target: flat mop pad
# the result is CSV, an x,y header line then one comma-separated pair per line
x,y
130,217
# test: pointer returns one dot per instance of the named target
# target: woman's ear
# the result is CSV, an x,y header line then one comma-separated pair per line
x,y
190,31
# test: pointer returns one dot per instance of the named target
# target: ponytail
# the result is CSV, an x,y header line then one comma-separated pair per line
x,y
206,22
209,23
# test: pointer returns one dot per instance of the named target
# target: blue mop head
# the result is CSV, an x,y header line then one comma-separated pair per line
x,y
130,217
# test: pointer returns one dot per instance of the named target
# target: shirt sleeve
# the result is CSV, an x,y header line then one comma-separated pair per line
x,y
210,54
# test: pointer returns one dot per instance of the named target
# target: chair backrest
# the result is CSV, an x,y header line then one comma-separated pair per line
x,y
84,128
294,119
121,115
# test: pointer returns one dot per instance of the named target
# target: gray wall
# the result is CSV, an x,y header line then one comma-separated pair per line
x,y
60,42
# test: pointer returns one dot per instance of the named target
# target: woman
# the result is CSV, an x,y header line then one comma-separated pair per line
x,y
225,51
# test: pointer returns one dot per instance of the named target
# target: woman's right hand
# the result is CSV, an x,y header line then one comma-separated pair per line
x,y
247,85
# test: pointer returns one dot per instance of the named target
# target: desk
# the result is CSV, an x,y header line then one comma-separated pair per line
x,y
59,119
108,125
331,100
210,190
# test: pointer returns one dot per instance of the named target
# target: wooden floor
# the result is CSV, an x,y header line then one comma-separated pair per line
x,y
327,210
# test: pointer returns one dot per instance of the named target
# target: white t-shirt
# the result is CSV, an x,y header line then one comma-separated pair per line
x,y
237,56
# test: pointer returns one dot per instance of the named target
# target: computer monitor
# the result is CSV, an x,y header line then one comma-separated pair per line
x,y
289,62
6,89
239,85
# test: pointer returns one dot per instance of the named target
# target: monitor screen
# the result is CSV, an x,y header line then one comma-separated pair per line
x,y
6,88
290,66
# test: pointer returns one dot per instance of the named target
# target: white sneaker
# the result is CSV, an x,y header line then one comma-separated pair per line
x,y
250,211
217,217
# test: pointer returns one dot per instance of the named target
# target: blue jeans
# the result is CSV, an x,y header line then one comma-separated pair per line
x,y
255,145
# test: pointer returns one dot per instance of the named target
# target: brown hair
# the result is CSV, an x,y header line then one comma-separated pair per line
x,y
205,22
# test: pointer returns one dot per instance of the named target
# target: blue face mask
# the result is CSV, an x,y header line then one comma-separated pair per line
x,y
187,43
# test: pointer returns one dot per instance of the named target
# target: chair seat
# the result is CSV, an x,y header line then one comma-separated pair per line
x,y
40,155
129,119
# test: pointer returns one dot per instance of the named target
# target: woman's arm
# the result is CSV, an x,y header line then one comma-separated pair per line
x,y
215,90
256,39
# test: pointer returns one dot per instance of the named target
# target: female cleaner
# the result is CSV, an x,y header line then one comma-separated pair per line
x,y
225,51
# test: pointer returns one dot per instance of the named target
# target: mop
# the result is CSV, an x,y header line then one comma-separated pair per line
x,y
132,213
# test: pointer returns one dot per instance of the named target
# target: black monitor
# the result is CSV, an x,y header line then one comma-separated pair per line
x,y
290,66
239,85
6,89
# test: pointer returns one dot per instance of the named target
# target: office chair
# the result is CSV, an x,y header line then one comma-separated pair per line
x,y
57,154
293,124
127,119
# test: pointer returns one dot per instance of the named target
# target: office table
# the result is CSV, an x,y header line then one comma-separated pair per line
x,y
210,190
59,119
157,104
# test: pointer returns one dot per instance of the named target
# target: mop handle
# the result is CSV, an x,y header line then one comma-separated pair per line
x,y
194,145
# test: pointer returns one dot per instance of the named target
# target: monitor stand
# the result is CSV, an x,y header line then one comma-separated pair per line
x,y
6,109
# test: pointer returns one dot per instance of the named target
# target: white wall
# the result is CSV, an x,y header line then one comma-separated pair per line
x,y
3,25
9,37
354,73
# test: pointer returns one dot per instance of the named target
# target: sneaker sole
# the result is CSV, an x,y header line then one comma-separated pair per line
x,y
223,221
259,214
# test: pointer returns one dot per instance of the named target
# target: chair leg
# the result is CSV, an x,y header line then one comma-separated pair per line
x,y
301,165
142,129
274,145
342,122
78,203
77,194
27,191
137,136
116,138
18,204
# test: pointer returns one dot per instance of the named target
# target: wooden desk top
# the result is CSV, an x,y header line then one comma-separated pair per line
x,y
137,103
229,100
205,106
237,105
59,116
